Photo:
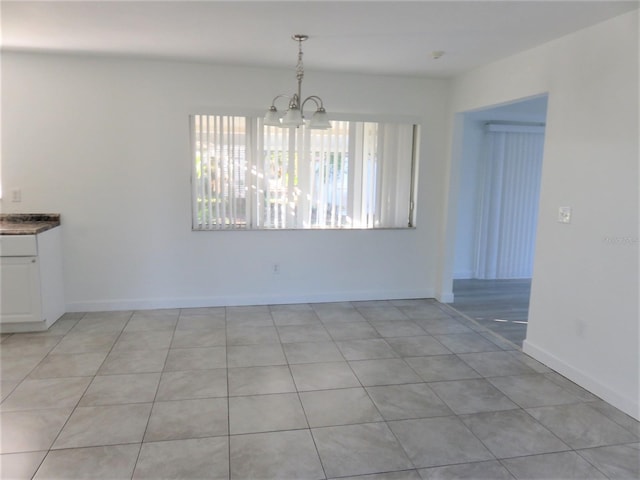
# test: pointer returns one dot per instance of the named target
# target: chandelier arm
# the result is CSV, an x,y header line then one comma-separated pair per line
x,y
317,100
282,95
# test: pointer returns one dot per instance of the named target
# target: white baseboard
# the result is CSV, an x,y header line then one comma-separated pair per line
x,y
240,300
445,297
630,406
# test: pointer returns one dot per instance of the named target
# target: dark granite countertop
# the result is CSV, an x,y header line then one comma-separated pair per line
x,y
27,223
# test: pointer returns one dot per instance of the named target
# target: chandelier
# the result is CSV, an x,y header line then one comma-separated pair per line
x,y
294,116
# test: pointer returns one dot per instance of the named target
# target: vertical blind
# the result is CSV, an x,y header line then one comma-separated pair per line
x,y
220,171
250,176
508,210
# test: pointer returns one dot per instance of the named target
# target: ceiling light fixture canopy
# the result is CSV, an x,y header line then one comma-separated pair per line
x,y
294,116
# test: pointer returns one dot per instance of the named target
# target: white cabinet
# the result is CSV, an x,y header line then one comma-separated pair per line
x,y
20,285
31,292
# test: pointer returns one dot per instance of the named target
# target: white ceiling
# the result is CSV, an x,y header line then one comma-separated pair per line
x,y
388,37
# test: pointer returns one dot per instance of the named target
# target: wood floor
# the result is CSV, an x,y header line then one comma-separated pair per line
x,y
501,305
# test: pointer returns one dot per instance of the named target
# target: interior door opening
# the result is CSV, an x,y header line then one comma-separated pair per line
x,y
497,210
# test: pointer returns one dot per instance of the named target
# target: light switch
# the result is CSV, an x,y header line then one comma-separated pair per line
x,y
564,214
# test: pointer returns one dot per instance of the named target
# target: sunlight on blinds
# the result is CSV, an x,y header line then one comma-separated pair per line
x,y
220,172
250,176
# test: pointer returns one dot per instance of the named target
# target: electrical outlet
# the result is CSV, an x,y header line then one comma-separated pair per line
x,y
276,268
564,214
16,195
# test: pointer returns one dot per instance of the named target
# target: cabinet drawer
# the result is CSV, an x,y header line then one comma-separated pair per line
x,y
18,246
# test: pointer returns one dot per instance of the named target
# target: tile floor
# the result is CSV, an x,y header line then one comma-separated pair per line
x,y
499,305
368,390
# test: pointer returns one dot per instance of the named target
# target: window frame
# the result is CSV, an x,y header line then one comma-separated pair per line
x,y
412,188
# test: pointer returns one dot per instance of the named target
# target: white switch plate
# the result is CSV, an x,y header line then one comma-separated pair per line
x,y
564,214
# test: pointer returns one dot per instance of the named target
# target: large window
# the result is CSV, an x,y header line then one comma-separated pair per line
x,y
250,176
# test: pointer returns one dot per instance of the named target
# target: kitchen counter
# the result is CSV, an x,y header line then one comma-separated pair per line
x,y
27,223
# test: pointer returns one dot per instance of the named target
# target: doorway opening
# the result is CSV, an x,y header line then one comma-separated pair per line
x,y
498,198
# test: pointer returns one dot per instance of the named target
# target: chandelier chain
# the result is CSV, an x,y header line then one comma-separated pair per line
x,y
300,65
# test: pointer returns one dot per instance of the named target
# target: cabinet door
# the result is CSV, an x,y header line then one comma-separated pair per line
x,y
20,290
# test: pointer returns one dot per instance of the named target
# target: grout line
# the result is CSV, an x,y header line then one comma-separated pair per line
x,y
226,347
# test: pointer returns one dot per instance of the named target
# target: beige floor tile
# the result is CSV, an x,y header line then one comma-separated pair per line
x,y
195,459
266,413
32,430
20,466
121,389
192,384
180,419
104,425
69,365
275,455
105,462
46,393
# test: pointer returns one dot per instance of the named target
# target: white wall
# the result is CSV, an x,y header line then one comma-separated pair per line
x,y
466,229
105,142
583,318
